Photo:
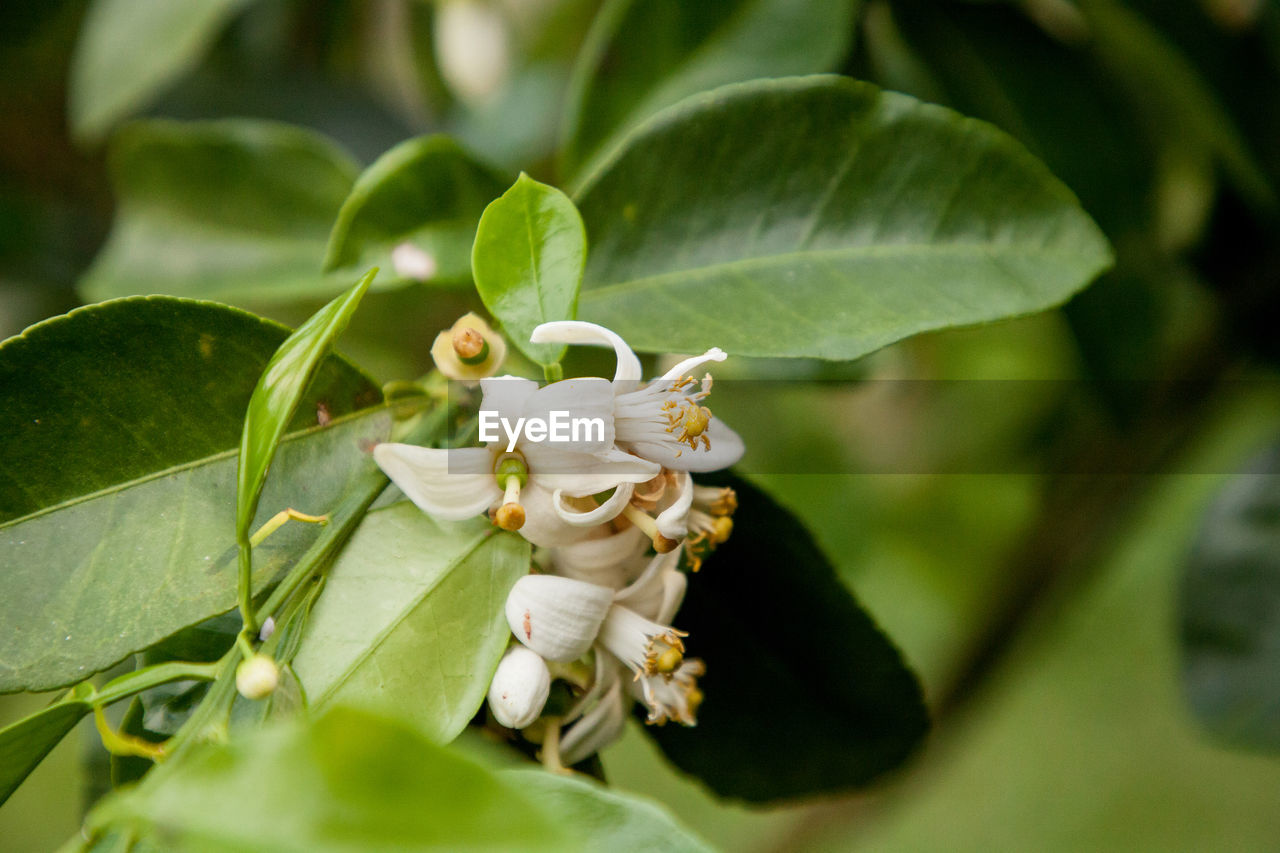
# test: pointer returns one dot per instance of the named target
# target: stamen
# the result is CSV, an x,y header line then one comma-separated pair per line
x,y
645,522
512,473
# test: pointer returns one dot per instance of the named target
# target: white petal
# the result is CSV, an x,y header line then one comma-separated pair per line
x,y
598,728
582,474
506,395
588,398
726,449
674,585
608,671
578,332
557,617
604,560
689,365
447,484
606,511
647,593
519,688
673,522
542,526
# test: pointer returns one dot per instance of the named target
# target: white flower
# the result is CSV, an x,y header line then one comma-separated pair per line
x,y
664,421
519,688
460,483
676,697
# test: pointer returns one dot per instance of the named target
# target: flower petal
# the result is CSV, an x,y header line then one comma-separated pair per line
x,y
725,450
673,522
582,474
689,365
606,511
447,484
506,395
578,332
602,560
647,594
542,526
598,728
589,398
557,617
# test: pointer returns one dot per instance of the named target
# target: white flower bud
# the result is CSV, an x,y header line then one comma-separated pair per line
x,y
557,617
257,677
519,688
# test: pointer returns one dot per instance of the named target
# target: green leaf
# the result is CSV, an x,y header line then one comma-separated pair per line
x,y
823,217
130,50
118,429
411,618
527,262
280,390
24,744
426,191
346,781
234,210
642,56
601,819
1231,610
826,704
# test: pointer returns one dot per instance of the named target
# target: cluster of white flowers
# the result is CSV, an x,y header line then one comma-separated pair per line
x,y
612,516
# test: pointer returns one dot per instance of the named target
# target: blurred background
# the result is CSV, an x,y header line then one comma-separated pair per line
x,y
1042,556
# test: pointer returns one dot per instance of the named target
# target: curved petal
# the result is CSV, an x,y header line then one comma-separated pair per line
x,y
604,560
673,522
606,511
570,403
690,364
725,450
542,526
647,594
598,728
582,474
674,585
578,332
447,484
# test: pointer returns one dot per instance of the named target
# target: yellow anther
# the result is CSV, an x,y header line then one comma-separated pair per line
x,y
721,528
693,699
509,516
668,660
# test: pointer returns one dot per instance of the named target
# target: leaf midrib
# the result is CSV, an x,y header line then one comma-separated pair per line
x,y
230,453
848,253
417,601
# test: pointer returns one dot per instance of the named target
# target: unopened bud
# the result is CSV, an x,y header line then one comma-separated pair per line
x,y
519,688
257,677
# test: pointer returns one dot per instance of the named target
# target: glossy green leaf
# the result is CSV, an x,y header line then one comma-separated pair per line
x,y
844,707
279,392
345,781
602,820
234,210
527,262
823,217
1231,610
117,503
427,192
642,56
130,50
25,743
411,618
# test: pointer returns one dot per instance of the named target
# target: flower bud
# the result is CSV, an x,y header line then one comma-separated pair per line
x,y
557,617
519,688
257,677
